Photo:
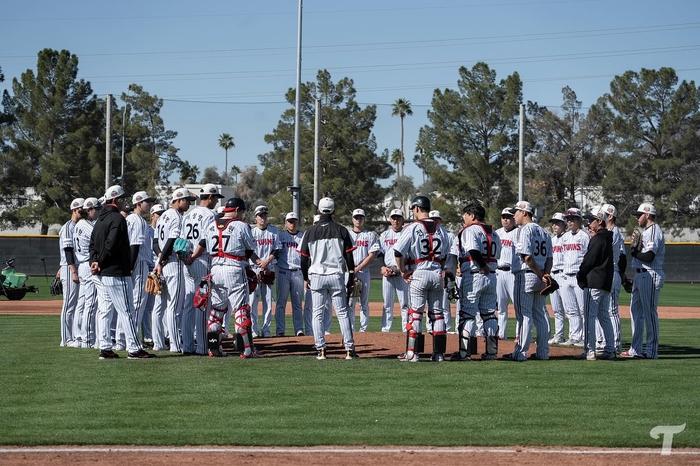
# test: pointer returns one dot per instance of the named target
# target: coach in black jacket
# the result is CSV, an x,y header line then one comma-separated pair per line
x,y
110,261
595,277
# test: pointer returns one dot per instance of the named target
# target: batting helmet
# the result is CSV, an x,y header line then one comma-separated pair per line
x,y
234,203
421,201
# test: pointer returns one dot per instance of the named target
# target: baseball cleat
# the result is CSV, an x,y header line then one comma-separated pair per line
x,y
255,354
456,356
537,358
488,357
300,333
607,356
413,358
108,354
140,354
351,354
437,357
321,354
556,341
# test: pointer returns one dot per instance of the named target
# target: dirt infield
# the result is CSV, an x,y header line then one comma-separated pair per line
x,y
414,456
53,307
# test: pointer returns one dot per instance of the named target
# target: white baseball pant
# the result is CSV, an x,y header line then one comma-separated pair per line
x,y
572,299
194,320
362,276
117,295
325,288
596,304
644,311
530,308
168,308
71,292
394,287
290,285
88,292
614,314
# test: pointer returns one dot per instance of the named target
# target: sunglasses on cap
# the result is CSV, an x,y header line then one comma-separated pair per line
x,y
506,217
292,220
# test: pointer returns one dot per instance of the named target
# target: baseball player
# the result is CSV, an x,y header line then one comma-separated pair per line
x,y
574,243
425,248
87,301
647,260
110,261
168,305
479,250
68,273
558,228
393,284
309,307
451,266
326,256
141,251
265,241
290,282
595,278
620,266
532,260
156,211
366,248
195,222
504,276
231,245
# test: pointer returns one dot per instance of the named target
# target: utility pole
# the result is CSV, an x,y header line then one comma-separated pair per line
x,y
317,158
521,156
108,145
295,188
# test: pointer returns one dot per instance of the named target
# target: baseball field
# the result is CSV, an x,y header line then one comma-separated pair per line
x,y
63,405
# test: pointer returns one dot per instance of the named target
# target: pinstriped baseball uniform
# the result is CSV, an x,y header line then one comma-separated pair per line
x,y
531,240
555,297
451,265
426,252
168,305
146,332
194,321
618,249
138,235
71,289
575,246
290,282
504,278
87,301
365,244
648,281
309,310
265,242
392,286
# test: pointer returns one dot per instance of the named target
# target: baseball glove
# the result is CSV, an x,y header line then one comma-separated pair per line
x,y
201,297
183,248
266,277
550,285
627,284
635,239
153,284
356,289
56,287
252,279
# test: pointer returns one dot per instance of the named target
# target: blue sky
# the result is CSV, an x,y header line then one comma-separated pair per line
x,y
224,66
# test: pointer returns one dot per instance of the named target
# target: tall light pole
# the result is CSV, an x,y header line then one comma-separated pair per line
x,y
108,144
126,104
295,188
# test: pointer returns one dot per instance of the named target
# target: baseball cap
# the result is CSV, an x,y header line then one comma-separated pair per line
x,y
435,214
610,209
91,203
77,203
291,216
114,192
141,196
507,211
557,217
182,193
596,213
316,218
645,208
396,213
573,212
210,190
157,209
261,209
326,205
357,212
524,206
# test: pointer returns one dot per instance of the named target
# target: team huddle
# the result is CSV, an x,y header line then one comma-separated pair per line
x,y
207,269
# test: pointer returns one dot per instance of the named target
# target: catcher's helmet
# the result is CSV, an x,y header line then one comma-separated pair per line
x,y
421,201
234,203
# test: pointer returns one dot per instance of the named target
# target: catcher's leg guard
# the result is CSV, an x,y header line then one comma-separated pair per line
x,y
491,347
439,344
213,342
412,335
467,343
242,325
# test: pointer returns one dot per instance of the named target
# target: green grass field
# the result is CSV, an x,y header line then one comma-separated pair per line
x,y
672,294
53,395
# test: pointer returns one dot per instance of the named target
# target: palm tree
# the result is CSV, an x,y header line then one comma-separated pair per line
x,y
401,108
235,171
226,143
396,157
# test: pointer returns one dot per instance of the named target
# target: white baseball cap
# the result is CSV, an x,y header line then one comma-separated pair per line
x,y
596,213
645,208
573,212
557,217
182,193
141,196
316,218
157,209
291,216
326,205
357,212
77,203
114,192
507,211
210,190
524,206
610,209
261,209
396,213
435,214
91,203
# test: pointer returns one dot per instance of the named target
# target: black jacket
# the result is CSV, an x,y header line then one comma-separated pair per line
x,y
109,243
596,270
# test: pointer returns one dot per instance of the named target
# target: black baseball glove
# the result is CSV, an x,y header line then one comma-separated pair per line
x,y
627,284
56,287
550,285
